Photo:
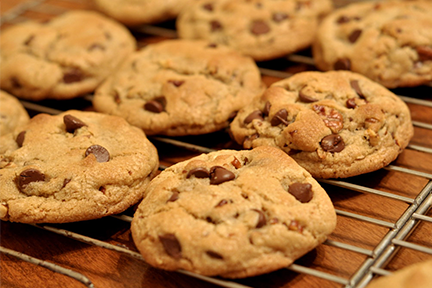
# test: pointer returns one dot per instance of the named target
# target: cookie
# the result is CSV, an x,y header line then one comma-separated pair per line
x,y
180,87
389,42
137,12
73,166
335,124
12,113
261,29
64,58
417,275
232,213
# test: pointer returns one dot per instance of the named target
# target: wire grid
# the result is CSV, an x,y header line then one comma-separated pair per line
x,y
376,259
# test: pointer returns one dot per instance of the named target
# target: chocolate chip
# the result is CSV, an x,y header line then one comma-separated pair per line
x,y
267,107
101,154
95,46
176,83
280,117
232,116
20,138
219,174
354,35
301,191
261,218
214,255
212,45
424,53
199,172
65,182
259,27
279,16
343,19
28,176
355,85
257,114
102,189
208,7
173,197
303,97
215,25
157,105
343,64
72,123
333,143
236,163
350,103
171,245
72,75
222,203
29,40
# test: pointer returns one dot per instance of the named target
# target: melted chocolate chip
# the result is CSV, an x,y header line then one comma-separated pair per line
x,y
303,97
267,107
333,143
173,197
171,245
28,176
259,27
354,35
257,114
424,53
72,75
280,117
65,182
301,191
342,64
279,17
157,105
101,154
176,83
350,103
222,203
219,174
199,172
20,138
72,123
214,255
355,85
215,25
261,218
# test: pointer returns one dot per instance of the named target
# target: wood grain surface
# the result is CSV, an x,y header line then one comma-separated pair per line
x,y
107,268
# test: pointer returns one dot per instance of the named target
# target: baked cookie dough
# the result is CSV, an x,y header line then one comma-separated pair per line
x,y
12,113
63,58
180,87
137,12
262,29
390,42
335,124
232,213
73,166
414,276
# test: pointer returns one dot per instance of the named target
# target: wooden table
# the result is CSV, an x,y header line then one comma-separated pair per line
x,y
384,221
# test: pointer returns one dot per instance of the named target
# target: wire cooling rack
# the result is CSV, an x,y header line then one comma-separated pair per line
x,y
405,234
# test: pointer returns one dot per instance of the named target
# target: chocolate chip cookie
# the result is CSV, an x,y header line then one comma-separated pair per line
x,y
390,42
137,12
232,213
63,58
334,124
262,29
417,275
12,113
73,166
180,87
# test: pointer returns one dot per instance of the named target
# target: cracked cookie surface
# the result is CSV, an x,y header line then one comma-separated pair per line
x,y
73,166
335,124
137,12
261,29
232,213
12,113
180,87
389,42
63,58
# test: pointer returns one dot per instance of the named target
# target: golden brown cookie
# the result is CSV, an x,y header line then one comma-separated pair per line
x,y
232,213
12,113
334,124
